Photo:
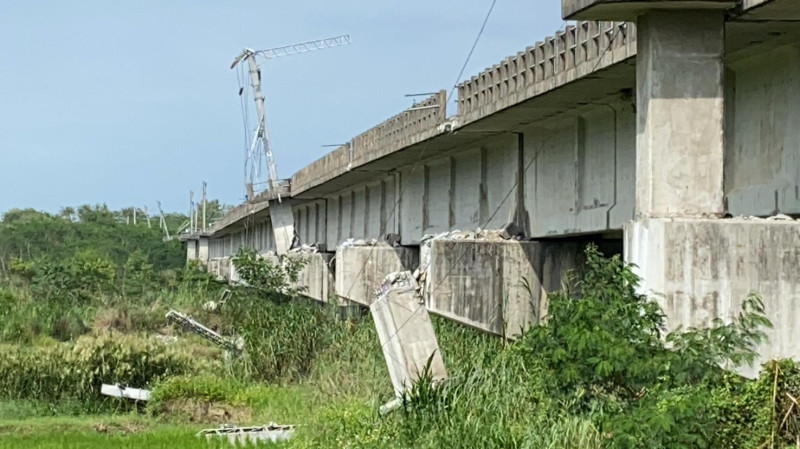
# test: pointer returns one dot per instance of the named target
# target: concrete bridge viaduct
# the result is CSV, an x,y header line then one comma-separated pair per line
x,y
668,131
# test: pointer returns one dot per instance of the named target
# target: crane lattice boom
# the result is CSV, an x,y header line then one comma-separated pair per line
x,y
305,47
262,133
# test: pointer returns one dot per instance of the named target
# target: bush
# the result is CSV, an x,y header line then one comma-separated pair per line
x,y
281,339
268,278
64,371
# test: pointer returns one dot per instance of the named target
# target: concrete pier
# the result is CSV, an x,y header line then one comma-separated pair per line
x,y
316,278
495,286
360,269
702,269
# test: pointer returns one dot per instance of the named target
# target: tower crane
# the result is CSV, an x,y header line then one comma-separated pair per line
x,y
261,137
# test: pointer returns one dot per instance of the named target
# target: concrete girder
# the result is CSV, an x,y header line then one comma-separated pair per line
x,y
630,9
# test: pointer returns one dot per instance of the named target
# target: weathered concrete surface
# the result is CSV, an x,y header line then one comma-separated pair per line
x,y
317,277
202,248
406,333
630,9
361,269
220,267
282,219
191,249
580,171
762,161
499,286
680,129
704,268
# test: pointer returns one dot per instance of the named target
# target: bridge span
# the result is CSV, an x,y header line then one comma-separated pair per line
x,y
671,135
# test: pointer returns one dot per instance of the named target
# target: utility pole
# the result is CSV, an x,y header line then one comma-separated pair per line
x,y
205,203
134,216
163,220
191,211
147,215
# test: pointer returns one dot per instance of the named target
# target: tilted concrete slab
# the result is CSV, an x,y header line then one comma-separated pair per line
x,y
361,269
630,9
407,337
702,269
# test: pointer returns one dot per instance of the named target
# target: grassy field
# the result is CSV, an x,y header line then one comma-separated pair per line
x,y
597,374
90,432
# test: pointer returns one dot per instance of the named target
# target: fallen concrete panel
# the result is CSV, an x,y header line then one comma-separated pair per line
x,y
233,345
406,333
702,269
245,436
361,268
119,391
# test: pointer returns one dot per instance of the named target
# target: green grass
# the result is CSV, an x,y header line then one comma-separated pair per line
x,y
102,431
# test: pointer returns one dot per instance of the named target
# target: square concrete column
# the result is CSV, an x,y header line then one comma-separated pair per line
x,y
680,113
202,248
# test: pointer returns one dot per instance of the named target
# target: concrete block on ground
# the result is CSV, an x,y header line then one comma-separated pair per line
x,y
407,337
360,269
499,286
701,269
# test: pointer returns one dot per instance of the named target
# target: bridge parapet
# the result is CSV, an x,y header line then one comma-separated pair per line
x,y
580,50
411,126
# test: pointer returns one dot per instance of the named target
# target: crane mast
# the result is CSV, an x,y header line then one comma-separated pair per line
x,y
262,132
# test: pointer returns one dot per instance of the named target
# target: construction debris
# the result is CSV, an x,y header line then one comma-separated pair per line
x,y
244,436
121,391
305,249
231,345
406,333
214,306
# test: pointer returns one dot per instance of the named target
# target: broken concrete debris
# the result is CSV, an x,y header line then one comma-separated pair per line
x,y
121,391
213,306
305,249
407,337
272,433
231,345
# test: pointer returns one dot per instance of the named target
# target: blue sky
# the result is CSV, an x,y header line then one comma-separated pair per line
x,y
129,102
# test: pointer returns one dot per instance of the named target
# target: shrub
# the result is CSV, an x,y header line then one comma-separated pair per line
x,y
268,278
77,370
